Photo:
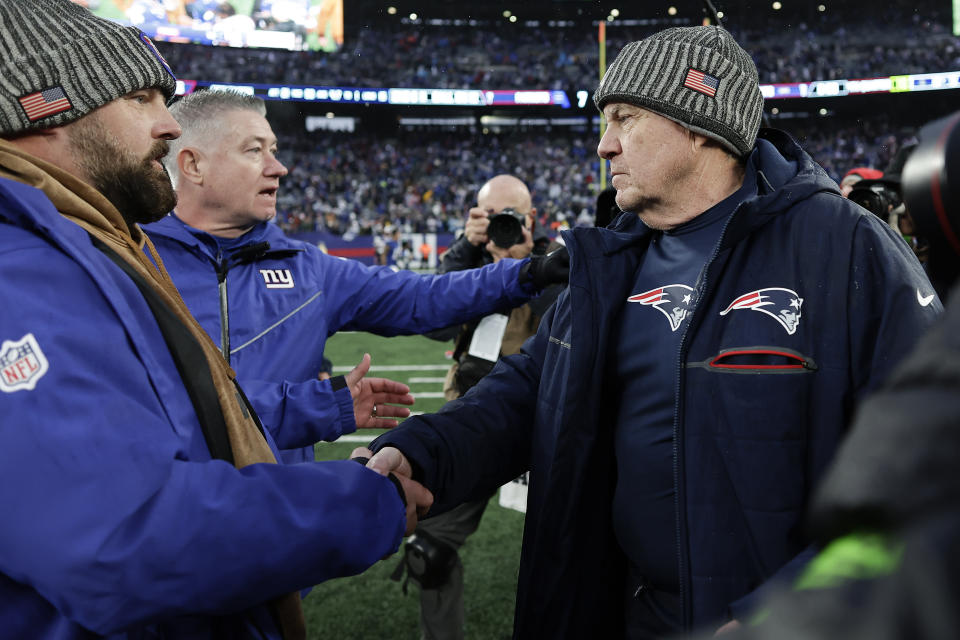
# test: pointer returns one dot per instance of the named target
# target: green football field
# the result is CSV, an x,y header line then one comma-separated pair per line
x,y
371,606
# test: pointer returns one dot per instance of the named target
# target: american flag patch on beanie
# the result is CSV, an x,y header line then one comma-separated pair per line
x,y
48,102
701,82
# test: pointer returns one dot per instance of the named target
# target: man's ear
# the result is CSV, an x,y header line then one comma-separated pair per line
x,y
698,141
191,163
532,219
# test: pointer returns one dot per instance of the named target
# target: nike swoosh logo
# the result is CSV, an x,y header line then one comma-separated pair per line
x,y
924,300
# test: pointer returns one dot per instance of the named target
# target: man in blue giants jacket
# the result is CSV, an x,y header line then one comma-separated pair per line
x,y
686,392
140,494
270,301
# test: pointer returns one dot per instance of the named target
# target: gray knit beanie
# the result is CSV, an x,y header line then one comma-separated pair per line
x,y
59,62
696,76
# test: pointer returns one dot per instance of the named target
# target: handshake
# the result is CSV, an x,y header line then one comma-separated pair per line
x,y
394,465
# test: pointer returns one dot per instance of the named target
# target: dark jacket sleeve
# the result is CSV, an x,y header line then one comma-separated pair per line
x,y
482,440
463,255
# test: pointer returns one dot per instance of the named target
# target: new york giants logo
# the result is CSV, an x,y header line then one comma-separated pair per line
x,y
783,305
22,364
673,300
277,278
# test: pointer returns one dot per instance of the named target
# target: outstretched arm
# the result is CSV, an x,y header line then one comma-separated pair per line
x,y
298,414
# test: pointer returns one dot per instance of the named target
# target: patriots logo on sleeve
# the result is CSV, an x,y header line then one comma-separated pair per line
x,y
675,301
783,305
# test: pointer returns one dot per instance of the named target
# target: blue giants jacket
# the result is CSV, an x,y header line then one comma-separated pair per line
x,y
272,306
765,384
116,522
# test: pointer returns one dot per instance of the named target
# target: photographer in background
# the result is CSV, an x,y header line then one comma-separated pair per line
x,y
499,227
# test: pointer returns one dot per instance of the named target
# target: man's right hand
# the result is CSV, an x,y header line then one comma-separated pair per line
x,y
390,460
375,399
475,230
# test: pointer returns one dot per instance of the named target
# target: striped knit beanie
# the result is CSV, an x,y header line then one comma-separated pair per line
x,y
696,76
59,62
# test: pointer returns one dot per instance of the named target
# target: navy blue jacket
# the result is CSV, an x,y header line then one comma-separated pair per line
x,y
282,303
763,396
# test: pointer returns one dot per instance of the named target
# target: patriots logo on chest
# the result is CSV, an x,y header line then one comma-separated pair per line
x,y
783,305
674,301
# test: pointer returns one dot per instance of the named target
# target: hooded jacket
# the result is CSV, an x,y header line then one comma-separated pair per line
x,y
763,395
118,522
273,301
889,509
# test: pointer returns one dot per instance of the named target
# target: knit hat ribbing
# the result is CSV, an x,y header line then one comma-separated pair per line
x,y
59,62
697,76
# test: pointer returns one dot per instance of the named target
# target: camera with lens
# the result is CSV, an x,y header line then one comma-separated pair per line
x,y
880,197
506,228
931,191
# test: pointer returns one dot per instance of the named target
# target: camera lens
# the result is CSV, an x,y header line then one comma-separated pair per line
x,y
506,228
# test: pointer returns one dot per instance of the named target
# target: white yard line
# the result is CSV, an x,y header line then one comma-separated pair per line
x,y
398,367
425,380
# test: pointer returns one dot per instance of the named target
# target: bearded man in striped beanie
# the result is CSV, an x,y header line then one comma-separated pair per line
x,y
140,492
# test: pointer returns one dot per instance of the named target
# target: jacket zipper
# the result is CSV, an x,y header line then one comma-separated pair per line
x,y
701,287
223,266
243,255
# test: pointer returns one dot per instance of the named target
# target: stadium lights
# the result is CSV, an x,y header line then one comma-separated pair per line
x,y
672,11
777,6
513,18
506,14
822,111
392,11
821,8
615,12
413,16
720,15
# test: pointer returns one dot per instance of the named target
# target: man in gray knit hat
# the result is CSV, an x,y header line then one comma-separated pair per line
x,y
683,397
140,492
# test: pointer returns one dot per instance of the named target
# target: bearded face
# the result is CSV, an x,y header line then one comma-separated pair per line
x,y
137,185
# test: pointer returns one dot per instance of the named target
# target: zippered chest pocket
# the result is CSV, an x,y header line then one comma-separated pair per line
x,y
757,360
751,406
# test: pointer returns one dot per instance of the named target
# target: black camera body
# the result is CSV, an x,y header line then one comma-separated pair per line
x,y
879,197
506,228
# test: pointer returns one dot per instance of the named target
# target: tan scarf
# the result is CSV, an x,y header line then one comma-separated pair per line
x,y
85,206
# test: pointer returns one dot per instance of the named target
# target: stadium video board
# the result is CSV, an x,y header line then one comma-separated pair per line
x,y
281,24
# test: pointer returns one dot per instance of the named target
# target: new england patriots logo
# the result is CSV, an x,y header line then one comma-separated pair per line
x,y
783,305
672,300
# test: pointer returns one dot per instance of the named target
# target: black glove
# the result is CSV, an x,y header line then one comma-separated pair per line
x,y
542,271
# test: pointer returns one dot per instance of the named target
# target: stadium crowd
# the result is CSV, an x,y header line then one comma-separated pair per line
x,y
354,183
897,38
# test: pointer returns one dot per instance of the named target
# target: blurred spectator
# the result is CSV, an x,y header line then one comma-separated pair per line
x,y
855,175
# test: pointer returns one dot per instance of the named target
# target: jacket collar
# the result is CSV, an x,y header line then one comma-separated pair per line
x,y
173,228
71,196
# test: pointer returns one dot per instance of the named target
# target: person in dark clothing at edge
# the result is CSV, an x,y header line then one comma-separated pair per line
x,y
271,301
888,509
687,390
430,556
140,493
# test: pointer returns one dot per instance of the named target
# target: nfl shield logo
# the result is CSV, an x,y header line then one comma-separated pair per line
x,y
22,364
